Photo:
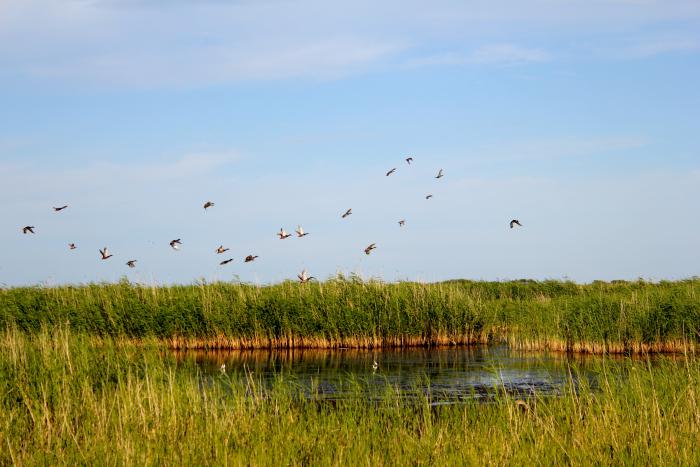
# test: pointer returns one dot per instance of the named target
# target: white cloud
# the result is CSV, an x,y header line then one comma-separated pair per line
x,y
109,176
221,64
492,54
508,54
152,43
646,49
550,149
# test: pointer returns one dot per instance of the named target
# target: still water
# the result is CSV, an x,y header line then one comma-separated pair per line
x,y
443,375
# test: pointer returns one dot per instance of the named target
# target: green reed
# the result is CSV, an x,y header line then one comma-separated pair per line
x,y
618,316
70,398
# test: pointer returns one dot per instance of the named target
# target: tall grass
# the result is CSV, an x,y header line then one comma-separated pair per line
x,y
599,317
68,398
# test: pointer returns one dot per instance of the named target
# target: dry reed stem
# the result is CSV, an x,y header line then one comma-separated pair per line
x,y
394,342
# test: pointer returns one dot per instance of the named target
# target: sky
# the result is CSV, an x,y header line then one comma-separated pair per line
x,y
580,118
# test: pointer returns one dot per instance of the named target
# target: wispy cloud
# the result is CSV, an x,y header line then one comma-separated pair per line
x,y
111,176
652,48
492,54
508,54
180,43
550,149
222,64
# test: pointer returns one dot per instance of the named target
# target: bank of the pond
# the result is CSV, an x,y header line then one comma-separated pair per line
x,y
617,317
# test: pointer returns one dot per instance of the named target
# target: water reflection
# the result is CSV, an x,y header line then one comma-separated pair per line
x,y
444,375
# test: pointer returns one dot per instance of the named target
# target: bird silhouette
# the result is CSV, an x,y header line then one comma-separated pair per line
x,y
347,213
515,222
221,249
105,253
402,222
207,205
428,196
175,244
131,263
226,261
250,258
282,234
304,277
369,249
28,229
440,174
60,208
409,160
391,171
72,246
300,232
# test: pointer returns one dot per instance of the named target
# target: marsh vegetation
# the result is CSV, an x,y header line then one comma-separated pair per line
x,y
68,398
617,317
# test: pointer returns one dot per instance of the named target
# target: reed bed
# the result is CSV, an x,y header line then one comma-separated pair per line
x,y
601,317
66,400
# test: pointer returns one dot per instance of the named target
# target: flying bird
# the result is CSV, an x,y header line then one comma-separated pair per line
x,y
221,249
347,213
429,196
391,171
439,175
72,246
60,208
300,232
207,205
282,234
515,222
304,277
369,249
226,261
402,222
250,258
131,263
28,229
105,253
175,244
409,160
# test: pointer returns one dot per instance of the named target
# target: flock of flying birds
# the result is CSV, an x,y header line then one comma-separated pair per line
x,y
282,234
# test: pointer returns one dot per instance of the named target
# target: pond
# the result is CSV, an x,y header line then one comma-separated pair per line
x,y
443,375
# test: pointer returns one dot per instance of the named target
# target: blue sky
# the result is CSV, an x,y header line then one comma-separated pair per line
x,y
579,118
